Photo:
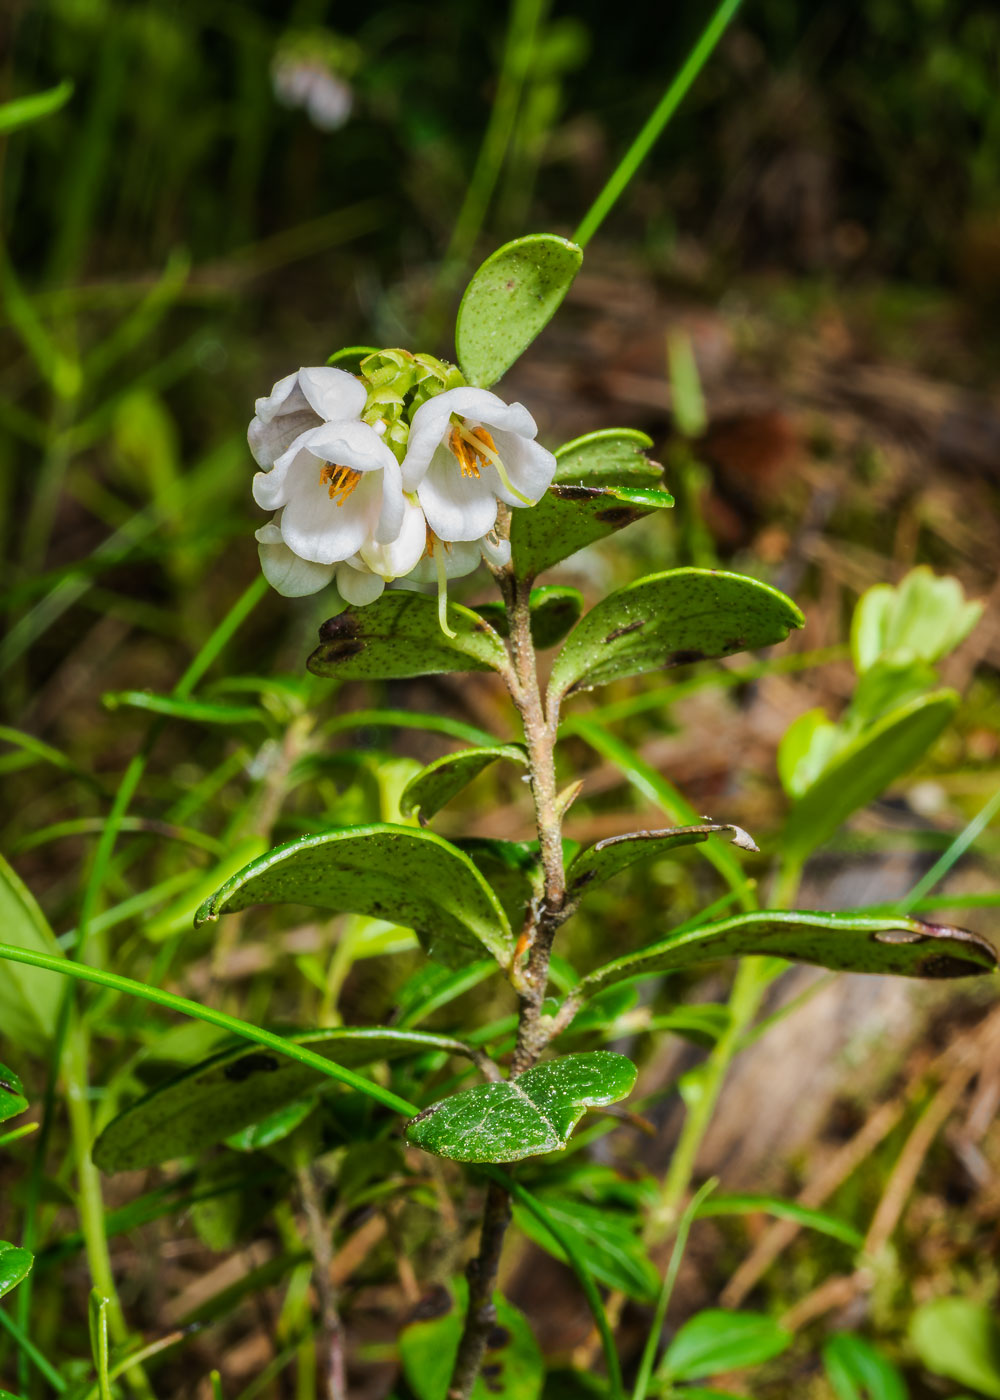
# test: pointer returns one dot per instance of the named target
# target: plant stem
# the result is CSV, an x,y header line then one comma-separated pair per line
x,y
331,1328
665,108
543,921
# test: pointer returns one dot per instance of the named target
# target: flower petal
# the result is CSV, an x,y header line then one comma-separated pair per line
x,y
332,393
320,529
287,574
457,507
270,488
269,438
358,586
530,467
285,396
460,558
352,444
399,556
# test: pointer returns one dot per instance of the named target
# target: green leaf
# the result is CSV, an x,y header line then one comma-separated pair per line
x,y
960,1339
272,1129
608,1239
924,618
434,786
857,1371
31,109
701,1024
511,868
97,1316
350,357
519,1118
511,298
29,999
899,944
863,769
15,1265
747,1203
602,483
670,619
409,877
236,1088
512,1366
609,857
399,635
553,611
717,1340
12,1099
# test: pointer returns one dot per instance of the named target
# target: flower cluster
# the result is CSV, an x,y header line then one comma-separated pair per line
x,y
392,477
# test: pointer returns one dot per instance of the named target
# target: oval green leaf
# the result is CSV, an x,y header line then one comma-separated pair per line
x,y
960,1339
616,853
857,1371
522,1117
553,611
510,299
399,635
717,1340
670,619
15,1265
434,786
12,1099
864,769
397,873
239,1087
899,945
602,482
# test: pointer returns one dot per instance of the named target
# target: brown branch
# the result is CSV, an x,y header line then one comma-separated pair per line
x,y
321,1245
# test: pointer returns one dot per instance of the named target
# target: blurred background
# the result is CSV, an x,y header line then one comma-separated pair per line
x,y
235,189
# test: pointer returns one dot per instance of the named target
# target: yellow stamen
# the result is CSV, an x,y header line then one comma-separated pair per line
x,y
479,444
340,480
468,457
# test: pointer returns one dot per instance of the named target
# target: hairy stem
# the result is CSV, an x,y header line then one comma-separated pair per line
x,y
532,1034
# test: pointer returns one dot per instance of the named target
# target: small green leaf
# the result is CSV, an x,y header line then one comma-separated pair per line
x,y
609,1240
670,619
12,1099
923,618
863,769
399,635
607,858
512,1366
396,873
272,1129
857,1371
717,1340
510,299
236,1088
747,1203
434,786
15,1265
602,483
960,1339
29,998
900,945
351,356
520,1118
31,109
553,611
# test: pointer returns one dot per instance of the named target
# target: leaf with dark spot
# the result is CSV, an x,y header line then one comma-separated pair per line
x,y
900,945
399,635
670,619
410,877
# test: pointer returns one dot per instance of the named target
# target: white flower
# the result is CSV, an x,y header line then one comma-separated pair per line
x,y
466,449
311,84
300,401
456,558
337,488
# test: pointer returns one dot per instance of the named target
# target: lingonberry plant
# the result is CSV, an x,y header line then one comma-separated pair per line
x,y
389,473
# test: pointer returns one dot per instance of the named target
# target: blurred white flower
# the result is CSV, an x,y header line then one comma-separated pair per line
x,y
309,83
300,401
467,449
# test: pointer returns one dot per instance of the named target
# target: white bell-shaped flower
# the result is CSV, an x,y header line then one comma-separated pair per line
x,y
467,449
338,490
300,401
362,578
